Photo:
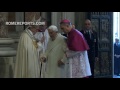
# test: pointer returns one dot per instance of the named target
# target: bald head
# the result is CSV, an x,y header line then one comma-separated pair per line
x,y
88,24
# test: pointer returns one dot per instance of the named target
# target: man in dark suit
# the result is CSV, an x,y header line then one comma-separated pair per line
x,y
92,40
117,57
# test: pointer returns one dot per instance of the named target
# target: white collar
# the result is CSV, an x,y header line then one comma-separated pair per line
x,y
90,31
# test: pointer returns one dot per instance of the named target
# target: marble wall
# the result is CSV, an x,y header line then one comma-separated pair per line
x,y
29,16
6,52
11,18
79,19
3,27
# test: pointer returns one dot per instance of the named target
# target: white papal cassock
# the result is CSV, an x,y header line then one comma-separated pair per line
x,y
55,51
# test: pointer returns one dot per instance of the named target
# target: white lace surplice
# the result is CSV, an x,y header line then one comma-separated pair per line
x,y
78,64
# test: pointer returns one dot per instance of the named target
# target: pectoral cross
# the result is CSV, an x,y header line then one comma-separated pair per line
x,y
35,43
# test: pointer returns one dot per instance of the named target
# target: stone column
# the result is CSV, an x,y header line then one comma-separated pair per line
x,y
6,52
19,17
43,14
68,15
80,19
63,15
3,28
54,18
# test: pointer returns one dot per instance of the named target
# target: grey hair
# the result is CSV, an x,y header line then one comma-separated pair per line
x,y
53,28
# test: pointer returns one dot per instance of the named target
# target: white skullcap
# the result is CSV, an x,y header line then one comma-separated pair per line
x,y
53,28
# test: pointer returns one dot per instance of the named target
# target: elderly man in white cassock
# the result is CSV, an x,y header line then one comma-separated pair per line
x,y
27,59
54,56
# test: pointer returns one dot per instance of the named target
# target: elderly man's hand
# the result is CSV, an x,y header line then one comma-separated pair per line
x,y
43,59
42,39
60,63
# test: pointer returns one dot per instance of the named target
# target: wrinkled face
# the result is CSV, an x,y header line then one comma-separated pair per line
x,y
52,33
64,28
87,24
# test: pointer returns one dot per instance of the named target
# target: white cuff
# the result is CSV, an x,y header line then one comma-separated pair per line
x,y
40,46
